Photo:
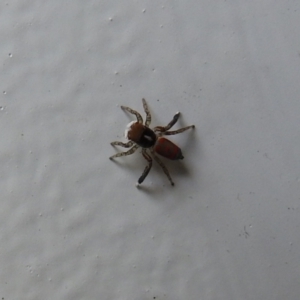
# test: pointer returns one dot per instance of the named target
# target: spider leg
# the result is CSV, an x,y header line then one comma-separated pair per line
x,y
148,115
130,151
171,124
134,112
166,171
179,130
148,167
125,145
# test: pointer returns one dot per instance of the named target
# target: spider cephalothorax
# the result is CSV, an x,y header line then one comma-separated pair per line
x,y
140,135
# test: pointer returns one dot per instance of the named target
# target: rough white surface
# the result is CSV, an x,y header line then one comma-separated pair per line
x,y
73,225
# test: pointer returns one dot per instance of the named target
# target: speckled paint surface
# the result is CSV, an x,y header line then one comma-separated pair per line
x,y
72,223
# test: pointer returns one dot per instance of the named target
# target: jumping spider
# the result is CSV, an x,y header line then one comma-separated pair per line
x,y
140,135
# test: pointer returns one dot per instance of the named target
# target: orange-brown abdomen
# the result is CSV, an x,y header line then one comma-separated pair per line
x,y
167,149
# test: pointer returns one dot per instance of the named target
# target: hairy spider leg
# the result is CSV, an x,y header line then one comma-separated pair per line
x,y
134,112
166,171
130,151
148,167
125,145
178,130
148,115
170,125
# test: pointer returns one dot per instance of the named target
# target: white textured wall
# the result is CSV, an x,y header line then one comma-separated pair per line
x,y
72,223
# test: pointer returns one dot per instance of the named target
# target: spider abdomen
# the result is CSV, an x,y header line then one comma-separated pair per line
x,y
167,149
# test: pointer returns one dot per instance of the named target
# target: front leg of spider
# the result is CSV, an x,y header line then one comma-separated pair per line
x,y
134,112
169,126
147,111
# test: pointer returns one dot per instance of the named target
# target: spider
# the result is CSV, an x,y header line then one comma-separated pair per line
x,y
140,135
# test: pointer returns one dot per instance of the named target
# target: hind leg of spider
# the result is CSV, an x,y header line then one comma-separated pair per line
x,y
148,115
170,125
134,112
166,171
148,167
179,130
130,151
125,145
